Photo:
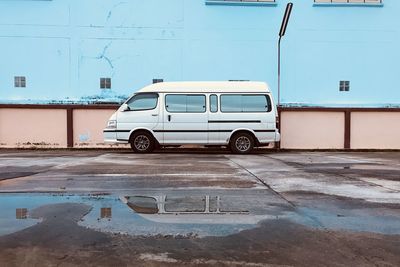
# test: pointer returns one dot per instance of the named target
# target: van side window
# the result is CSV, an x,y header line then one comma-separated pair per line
x,y
143,102
245,103
185,103
213,103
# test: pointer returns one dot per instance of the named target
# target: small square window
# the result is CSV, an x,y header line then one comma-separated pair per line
x,y
19,81
158,80
105,83
344,86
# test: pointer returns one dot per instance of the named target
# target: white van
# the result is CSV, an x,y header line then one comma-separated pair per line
x,y
241,115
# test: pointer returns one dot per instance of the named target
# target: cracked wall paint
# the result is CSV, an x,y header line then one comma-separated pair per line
x,y
113,8
103,56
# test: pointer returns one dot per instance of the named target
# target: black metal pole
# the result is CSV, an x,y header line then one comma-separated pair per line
x,y
279,70
282,32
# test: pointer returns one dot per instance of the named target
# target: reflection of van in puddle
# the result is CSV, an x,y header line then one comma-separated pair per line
x,y
189,210
241,115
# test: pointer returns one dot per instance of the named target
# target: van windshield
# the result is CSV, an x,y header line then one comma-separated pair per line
x,y
145,101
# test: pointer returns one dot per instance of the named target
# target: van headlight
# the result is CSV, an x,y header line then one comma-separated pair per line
x,y
112,124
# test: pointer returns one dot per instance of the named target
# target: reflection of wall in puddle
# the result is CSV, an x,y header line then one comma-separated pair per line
x,y
21,213
106,213
189,210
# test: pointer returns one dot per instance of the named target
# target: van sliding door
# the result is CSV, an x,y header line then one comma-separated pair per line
x,y
185,119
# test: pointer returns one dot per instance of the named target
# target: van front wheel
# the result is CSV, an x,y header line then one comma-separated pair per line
x,y
142,143
242,143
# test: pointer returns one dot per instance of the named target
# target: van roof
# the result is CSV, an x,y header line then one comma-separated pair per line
x,y
207,87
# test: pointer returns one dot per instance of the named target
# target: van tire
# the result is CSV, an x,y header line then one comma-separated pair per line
x,y
242,143
142,142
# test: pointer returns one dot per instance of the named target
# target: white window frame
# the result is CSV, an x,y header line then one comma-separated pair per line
x,y
242,2
349,2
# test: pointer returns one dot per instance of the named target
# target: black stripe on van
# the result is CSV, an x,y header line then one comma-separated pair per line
x,y
264,131
116,131
193,131
189,131
208,131
232,121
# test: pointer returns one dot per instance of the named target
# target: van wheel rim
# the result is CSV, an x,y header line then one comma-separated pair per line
x,y
243,143
142,142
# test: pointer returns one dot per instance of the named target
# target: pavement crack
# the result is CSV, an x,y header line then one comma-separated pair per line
x,y
297,210
262,182
16,175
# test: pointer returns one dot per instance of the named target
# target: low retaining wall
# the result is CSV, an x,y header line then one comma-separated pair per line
x,y
81,126
21,127
312,129
340,128
54,126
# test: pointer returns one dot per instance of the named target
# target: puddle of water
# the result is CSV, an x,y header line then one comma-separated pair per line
x,y
15,211
110,214
349,221
171,215
149,215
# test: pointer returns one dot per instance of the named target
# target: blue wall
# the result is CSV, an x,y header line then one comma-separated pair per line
x,y
63,47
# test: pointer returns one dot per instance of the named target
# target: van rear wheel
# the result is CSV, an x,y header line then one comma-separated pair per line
x,y
142,142
242,143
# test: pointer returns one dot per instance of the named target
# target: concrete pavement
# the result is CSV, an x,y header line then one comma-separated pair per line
x,y
176,207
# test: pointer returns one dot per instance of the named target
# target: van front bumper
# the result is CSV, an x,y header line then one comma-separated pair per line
x,y
110,137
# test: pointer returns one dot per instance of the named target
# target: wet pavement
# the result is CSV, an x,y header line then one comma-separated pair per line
x,y
177,207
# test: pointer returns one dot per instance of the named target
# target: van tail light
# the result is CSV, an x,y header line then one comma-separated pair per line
x,y
277,122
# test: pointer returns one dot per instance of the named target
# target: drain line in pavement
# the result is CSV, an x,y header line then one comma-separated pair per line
x,y
262,182
314,219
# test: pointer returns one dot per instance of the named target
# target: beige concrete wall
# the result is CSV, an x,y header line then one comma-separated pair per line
x,y
312,130
33,128
89,125
375,130
24,127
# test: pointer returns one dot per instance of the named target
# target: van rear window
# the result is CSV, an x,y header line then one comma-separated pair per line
x,y
245,103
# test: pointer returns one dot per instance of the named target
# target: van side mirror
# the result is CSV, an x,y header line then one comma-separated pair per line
x,y
125,107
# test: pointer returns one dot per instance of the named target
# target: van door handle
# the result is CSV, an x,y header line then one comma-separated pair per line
x,y
154,115
169,117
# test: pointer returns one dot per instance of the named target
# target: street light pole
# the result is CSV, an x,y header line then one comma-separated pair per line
x,y
279,70
282,32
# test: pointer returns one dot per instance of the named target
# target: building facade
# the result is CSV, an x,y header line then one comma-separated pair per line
x,y
335,53
61,58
